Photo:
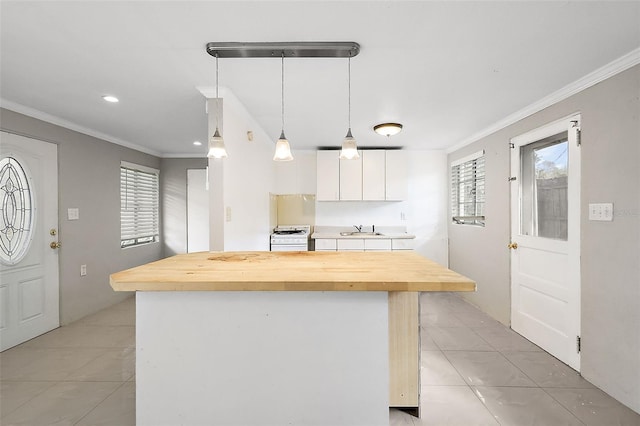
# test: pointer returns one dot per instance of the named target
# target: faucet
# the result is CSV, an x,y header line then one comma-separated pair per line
x,y
359,228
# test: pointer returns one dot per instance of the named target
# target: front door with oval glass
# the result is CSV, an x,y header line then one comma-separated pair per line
x,y
29,295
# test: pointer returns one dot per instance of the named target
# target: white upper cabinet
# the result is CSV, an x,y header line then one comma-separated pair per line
x,y
351,179
396,175
328,176
373,174
377,175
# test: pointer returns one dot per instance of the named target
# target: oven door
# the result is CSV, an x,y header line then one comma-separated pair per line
x,y
289,247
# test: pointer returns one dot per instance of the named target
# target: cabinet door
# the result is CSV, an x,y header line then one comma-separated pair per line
x,y
325,244
383,244
350,244
402,244
396,173
373,174
351,179
328,175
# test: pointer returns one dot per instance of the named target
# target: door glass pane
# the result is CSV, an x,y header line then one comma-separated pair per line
x,y
16,211
544,195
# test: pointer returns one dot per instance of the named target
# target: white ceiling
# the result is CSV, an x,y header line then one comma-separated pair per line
x,y
446,70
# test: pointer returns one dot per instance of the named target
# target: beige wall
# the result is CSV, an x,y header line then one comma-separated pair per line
x,y
88,179
610,250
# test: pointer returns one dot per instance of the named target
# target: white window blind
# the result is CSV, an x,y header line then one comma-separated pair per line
x,y
139,205
467,190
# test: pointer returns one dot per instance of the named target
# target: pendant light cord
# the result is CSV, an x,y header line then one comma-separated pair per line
x,y
217,97
349,90
282,94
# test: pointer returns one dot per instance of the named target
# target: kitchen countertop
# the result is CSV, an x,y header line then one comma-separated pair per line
x,y
292,271
385,232
364,235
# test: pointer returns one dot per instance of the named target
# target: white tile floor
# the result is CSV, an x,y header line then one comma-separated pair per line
x,y
475,371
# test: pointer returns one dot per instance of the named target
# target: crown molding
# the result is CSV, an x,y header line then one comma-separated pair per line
x,y
615,67
34,113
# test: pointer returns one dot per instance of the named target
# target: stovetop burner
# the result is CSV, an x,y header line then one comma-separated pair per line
x,y
289,232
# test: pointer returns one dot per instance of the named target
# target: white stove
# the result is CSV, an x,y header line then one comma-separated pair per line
x,y
290,238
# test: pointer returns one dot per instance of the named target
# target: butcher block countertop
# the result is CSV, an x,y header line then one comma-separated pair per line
x,y
292,271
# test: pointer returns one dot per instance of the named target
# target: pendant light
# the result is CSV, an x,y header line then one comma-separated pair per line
x,y
216,144
349,149
283,150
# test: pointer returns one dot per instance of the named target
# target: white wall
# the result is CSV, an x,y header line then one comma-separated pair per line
x,y
425,210
241,182
297,176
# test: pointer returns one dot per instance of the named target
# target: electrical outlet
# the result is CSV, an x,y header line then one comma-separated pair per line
x,y
83,270
403,216
228,214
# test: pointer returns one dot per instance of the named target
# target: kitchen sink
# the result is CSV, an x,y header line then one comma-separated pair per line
x,y
356,233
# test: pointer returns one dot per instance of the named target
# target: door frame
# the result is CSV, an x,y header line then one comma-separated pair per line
x,y
572,125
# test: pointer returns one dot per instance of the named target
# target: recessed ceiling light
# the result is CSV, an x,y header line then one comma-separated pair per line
x,y
197,143
110,98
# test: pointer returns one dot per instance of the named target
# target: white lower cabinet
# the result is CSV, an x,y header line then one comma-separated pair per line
x,y
402,244
377,244
351,244
325,244
363,244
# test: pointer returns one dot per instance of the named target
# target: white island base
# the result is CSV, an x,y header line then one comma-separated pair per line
x,y
262,358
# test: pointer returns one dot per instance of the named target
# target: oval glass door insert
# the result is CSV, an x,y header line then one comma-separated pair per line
x,y
17,211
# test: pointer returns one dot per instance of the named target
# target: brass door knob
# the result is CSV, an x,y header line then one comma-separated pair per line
x,y
55,244
513,246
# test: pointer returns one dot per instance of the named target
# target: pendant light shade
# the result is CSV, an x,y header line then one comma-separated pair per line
x,y
349,149
216,144
283,150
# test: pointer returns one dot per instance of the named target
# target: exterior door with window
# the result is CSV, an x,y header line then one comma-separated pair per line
x,y
545,238
29,294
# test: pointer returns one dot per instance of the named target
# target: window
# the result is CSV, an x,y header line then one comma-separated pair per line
x,y
545,197
467,190
139,194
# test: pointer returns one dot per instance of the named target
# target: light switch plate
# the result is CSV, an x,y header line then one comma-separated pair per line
x,y
601,212
73,214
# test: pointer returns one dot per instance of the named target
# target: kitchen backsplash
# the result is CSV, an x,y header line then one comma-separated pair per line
x,y
294,209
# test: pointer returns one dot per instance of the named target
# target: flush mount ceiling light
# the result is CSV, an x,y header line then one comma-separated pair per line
x,y
387,129
197,143
110,98
349,149
216,144
283,150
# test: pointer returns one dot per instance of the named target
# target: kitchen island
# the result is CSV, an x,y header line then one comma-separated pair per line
x,y
279,337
